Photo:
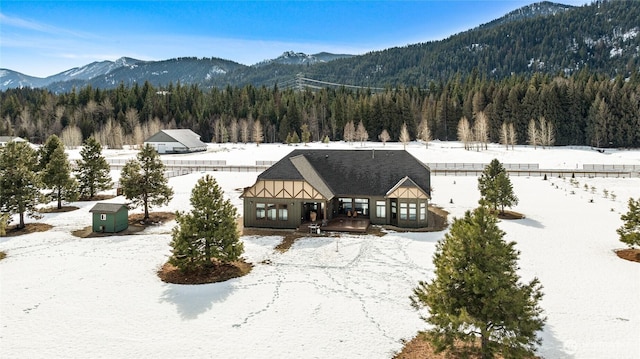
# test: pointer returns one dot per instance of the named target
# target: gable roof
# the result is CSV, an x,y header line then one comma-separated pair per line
x,y
4,139
351,172
186,137
102,207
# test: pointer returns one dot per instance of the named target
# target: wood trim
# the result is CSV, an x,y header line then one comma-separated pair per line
x,y
283,189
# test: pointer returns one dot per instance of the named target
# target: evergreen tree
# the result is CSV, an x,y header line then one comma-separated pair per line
x,y
19,182
629,232
46,151
57,176
92,169
496,188
208,232
477,292
306,135
143,180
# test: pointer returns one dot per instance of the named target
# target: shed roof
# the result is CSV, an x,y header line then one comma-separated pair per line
x,y
353,172
107,207
186,137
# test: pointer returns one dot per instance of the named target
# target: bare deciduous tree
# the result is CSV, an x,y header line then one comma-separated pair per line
x,y
481,130
424,132
71,136
349,134
258,135
464,132
546,133
532,133
384,137
233,131
513,136
244,130
361,133
405,138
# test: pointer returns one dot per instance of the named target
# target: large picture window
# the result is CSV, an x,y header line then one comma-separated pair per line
x,y
381,209
261,211
413,212
283,212
272,213
361,206
423,211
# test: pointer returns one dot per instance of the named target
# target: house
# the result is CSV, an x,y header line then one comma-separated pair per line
x,y
5,139
384,186
110,217
176,141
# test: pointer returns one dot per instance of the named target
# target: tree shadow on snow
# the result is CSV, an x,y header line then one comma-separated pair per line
x,y
530,222
193,300
552,347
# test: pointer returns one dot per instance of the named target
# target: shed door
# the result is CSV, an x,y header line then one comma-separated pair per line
x,y
161,148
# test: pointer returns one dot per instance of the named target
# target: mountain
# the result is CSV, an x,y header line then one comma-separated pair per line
x,y
544,38
299,58
545,8
13,79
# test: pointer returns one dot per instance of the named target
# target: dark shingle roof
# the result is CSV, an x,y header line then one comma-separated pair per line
x,y
107,207
355,172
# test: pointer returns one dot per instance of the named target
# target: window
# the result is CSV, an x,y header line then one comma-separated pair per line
x,y
412,211
260,211
283,212
103,217
394,210
362,206
381,210
403,210
345,205
271,212
423,211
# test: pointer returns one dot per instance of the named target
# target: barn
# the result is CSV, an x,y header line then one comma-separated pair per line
x,y
176,141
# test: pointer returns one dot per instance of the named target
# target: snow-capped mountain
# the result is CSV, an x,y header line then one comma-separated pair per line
x,y
14,79
300,58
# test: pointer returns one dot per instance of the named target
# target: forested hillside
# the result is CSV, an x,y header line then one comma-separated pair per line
x,y
584,109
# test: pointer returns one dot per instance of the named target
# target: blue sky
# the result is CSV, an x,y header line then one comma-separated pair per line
x,y
42,38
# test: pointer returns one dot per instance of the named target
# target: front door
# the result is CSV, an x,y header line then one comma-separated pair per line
x,y
394,211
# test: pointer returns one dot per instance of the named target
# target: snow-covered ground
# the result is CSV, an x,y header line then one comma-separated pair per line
x,y
339,296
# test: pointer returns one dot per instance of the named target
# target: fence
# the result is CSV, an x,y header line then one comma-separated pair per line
x,y
182,167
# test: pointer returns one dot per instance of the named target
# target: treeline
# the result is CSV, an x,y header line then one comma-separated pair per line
x,y
584,109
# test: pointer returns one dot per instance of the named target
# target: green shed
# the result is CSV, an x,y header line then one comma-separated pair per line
x,y
110,217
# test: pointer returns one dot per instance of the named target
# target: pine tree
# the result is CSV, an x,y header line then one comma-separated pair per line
x,y
477,292
92,169
629,232
143,180
305,134
46,151
496,188
208,232
57,176
19,182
